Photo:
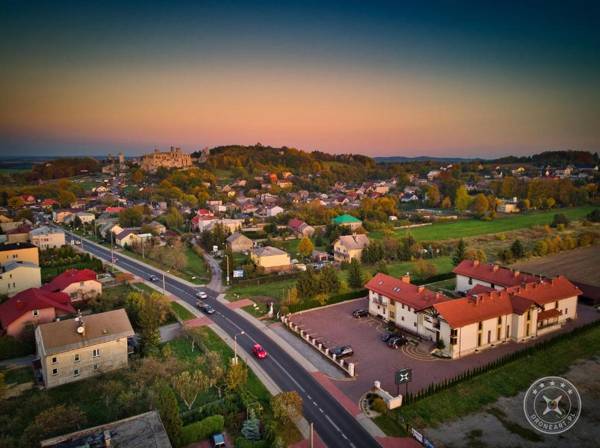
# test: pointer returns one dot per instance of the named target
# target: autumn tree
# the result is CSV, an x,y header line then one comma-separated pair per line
x,y
287,409
517,249
305,247
355,274
480,205
137,177
131,217
425,269
189,385
461,203
237,376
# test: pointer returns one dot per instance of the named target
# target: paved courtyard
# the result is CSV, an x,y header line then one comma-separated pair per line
x,y
334,325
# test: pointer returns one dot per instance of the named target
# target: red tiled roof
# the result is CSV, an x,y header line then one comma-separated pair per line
x,y
295,223
32,299
548,314
114,209
492,273
548,290
416,297
479,289
62,281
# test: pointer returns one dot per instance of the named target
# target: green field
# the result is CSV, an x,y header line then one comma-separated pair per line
x,y
505,381
473,227
276,290
181,311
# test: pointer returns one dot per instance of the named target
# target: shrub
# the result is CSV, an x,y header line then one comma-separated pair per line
x,y
379,405
594,215
13,348
240,442
203,429
560,218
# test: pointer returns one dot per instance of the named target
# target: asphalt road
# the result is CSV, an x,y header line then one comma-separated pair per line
x,y
335,426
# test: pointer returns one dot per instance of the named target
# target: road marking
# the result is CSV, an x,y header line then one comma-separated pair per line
x,y
332,423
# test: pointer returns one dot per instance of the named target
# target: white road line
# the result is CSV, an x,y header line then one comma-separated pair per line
x,y
332,423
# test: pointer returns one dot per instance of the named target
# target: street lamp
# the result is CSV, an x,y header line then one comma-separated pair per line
x,y
235,357
164,289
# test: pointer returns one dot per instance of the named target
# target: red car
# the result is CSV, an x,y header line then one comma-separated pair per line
x,y
259,352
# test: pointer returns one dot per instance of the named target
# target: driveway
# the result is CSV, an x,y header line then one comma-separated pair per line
x,y
334,325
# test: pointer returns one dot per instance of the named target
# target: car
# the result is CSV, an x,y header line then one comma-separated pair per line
x,y
361,312
396,341
218,440
386,336
201,295
258,351
342,351
153,278
205,307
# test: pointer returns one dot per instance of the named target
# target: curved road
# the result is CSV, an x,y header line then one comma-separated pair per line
x,y
335,426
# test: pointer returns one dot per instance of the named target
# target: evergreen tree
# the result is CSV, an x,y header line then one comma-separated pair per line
x,y
251,427
517,249
166,403
329,281
460,253
355,274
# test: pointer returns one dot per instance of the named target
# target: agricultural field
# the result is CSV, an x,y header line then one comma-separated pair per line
x,y
472,227
580,265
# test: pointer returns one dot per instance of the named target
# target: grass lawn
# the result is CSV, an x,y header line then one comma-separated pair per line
x,y
18,376
508,380
399,268
473,227
145,288
181,312
276,289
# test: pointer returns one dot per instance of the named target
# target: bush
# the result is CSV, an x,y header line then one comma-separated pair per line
x,y
560,218
240,442
202,429
379,405
13,348
594,215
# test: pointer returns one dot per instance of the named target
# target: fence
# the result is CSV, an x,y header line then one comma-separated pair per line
x,y
347,367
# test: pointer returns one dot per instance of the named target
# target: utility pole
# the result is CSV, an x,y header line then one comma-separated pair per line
x,y
312,435
227,258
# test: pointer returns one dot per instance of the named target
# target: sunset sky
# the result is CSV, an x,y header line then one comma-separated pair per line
x,y
379,78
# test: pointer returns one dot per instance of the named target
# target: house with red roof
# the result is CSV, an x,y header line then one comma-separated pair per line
x,y
300,228
487,317
78,284
470,273
33,306
408,306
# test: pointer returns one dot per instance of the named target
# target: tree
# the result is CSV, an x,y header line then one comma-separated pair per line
x,y
560,218
476,254
459,253
251,426
480,205
65,198
594,215
305,247
166,403
16,202
131,217
174,219
287,408
137,176
355,274
329,282
291,298
425,269
149,313
54,421
189,385
446,202
517,249
462,199
237,376
433,195
2,386
381,267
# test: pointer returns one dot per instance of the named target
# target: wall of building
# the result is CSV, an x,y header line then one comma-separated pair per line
x,y
48,241
45,315
20,279
463,285
84,290
25,254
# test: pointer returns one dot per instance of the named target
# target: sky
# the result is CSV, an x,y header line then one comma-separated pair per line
x,y
437,78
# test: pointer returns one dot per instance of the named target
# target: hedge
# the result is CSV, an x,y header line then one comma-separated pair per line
x,y
13,348
203,429
265,279
240,442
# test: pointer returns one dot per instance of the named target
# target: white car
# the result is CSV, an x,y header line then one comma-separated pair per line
x,y
201,295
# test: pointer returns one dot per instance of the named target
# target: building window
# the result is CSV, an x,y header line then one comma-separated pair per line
x,y
402,318
415,324
453,336
54,360
96,352
54,372
489,336
96,366
499,333
77,357
566,310
528,314
470,281
36,313
478,339
500,320
480,327
76,372
493,286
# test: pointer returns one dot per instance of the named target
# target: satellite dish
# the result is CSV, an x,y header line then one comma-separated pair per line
x,y
80,329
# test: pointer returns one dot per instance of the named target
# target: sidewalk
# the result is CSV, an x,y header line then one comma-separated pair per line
x,y
17,362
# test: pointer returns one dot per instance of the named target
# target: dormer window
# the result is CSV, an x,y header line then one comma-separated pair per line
x,y
36,313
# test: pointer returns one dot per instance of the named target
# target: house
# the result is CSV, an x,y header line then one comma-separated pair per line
x,y
19,252
47,238
79,284
431,175
19,234
470,273
114,210
49,203
483,320
236,242
32,307
157,228
300,228
408,306
140,431
347,221
84,217
16,276
208,223
319,256
508,206
349,247
75,349
274,211
271,259
7,226
60,215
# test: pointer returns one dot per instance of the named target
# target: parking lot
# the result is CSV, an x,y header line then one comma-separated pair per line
x,y
374,360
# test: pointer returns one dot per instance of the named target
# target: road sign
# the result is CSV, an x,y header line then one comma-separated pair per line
x,y
238,273
403,376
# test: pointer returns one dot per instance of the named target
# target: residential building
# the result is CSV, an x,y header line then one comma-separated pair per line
x,y
274,211
484,319
59,215
47,238
19,252
75,349
79,284
16,276
84,217
506,206
7,226
18,234
32,307
470,273
174,158
271,259
300,228
347,221
140,431
408,306
236,242
349,247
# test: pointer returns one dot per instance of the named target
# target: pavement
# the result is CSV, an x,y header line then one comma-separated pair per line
x,y
15,363
284,367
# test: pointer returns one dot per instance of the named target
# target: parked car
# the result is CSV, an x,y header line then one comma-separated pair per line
x,y
258,351
205,307
386,336
361,312
396,341
153,278
218,440
201,295
342,351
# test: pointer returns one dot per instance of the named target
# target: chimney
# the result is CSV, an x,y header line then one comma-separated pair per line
x,y
406,278
475,262
420,289
517,273
495,268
